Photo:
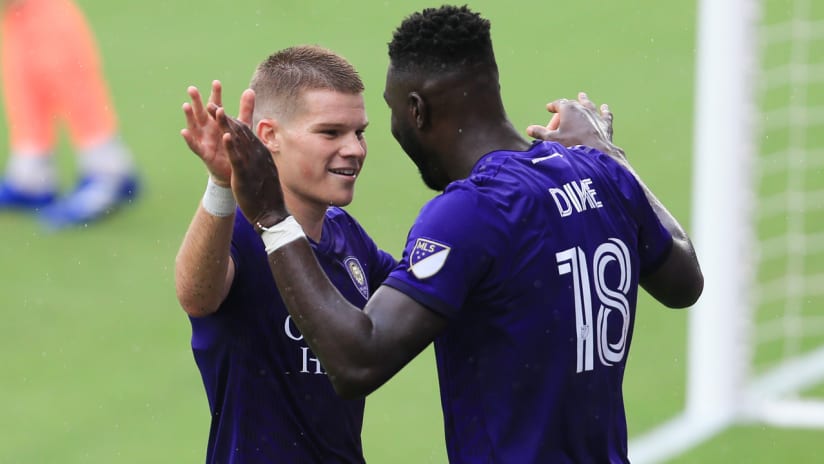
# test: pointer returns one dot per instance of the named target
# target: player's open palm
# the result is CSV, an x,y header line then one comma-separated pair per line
x,y
204,136
255,182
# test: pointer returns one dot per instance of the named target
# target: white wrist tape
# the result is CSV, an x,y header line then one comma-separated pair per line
x,y
218,201
286,231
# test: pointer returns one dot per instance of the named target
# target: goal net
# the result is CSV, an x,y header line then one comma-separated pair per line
x,y
756,337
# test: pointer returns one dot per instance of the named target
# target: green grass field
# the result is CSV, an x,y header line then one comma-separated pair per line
x,y
96,365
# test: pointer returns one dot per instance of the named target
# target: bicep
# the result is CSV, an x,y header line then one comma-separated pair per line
x,y
402,327
677,282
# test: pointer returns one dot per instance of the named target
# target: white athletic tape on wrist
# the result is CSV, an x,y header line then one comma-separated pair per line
x,y
286,231
218,201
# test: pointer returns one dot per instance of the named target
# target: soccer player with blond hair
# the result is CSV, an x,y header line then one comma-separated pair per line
x,y
270,398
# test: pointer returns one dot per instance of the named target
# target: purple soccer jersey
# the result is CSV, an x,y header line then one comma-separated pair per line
x,y
270,399
535,260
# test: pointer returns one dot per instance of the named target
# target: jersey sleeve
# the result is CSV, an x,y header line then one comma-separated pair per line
x,y
244,239
448,251
654,244
384,264
247,252
654,240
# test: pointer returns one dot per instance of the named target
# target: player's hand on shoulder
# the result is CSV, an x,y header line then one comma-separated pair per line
x,y
579,123
255,180
203,134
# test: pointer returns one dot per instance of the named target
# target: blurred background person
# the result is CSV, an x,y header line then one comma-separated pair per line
x,y
52,74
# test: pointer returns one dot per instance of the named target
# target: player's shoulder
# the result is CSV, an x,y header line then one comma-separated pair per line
x,y
340,219
465,202
337,214
612,175
601,162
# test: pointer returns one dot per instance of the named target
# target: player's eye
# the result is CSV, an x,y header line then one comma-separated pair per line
x,y
359,134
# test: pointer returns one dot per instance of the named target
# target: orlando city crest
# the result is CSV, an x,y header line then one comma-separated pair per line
x,y
353,267
427,258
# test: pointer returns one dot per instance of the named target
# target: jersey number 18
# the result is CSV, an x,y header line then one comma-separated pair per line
x,y
574,261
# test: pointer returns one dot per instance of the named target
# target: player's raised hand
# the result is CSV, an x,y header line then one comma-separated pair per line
x,y
246,108
255,182
579,123
204,136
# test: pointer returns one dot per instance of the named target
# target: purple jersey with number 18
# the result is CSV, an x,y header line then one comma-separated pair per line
x,y
534,259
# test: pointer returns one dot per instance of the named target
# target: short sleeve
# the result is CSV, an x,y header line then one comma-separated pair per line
x,y
448,251
654,240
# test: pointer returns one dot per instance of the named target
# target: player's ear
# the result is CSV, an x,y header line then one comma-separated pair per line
x,y
267,132
418,110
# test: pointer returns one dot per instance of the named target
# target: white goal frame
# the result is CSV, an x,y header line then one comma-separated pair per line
x,y
721,389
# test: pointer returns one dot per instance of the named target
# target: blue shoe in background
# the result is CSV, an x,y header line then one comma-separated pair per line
x,y
12,198
92,199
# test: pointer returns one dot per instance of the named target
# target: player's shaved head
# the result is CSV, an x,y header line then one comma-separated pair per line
x,y
442,82
282,78
444,39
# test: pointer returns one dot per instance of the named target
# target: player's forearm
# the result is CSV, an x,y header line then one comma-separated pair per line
x,y
202,266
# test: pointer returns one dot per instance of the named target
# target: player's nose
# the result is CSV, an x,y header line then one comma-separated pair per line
x,y
355,146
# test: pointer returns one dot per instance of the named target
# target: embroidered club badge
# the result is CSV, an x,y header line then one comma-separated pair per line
x,y
353,267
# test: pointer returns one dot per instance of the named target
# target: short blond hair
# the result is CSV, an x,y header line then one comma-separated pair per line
x,y
280,79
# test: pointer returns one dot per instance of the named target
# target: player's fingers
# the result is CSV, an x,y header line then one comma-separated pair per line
x,y
220,116
243,128
190,141
239,139
188,112
187,136
583,99
212,110
606,114
251,140
555,122
555,106
247,107
533,131
197,104
229,144
561,105
235,127
217,93
539,132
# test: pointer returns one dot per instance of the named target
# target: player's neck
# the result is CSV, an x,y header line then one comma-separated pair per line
x,y
486,137
309,216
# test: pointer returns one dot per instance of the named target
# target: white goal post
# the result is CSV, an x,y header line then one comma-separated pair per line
x,y
723,388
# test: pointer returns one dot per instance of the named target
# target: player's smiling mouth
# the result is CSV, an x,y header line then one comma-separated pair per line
x,y
345,172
